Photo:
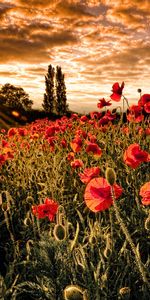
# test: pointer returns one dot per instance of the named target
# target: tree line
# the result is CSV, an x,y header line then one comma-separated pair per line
x,y
55,99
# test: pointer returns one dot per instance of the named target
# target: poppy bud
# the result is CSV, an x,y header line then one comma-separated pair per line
x,y
74,292
139,90
30,200
110,176
29,245
28,220
147,223
92,240
59,232
125,292
5,207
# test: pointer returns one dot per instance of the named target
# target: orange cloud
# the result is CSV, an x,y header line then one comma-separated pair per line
x,y
95,42
70,10
38,3
5,8
132,14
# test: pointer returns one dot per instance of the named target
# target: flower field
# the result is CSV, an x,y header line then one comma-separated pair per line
x,y
74,206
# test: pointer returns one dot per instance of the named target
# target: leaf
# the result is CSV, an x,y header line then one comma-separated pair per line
x,y
81,218
73,243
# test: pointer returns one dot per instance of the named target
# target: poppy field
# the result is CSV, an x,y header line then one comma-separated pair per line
x,y
74,205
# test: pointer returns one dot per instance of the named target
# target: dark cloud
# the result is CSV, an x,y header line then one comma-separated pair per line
x,y
24,45
5,8
55,39
72,9
12,50
132,14
37,3
40,25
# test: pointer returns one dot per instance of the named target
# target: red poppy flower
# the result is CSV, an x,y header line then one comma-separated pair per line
x,y
51,140
98,195
63,128
8,152
94,148
5,143
145,193
107,118
135,114
50,131
3,130
147,107
95,115
140,131
147,131
22,131
145,102
89,173
92,137
64,119
125,130
91,122
48,209
64,143
102,103
76,144
34,136
80,132
77,163
134,156
74,117
70,125
84,119
103,121
70,156
110,116
12,132
117,91
3,158
144,99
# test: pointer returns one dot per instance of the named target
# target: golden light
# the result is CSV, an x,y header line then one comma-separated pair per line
x,y
15,114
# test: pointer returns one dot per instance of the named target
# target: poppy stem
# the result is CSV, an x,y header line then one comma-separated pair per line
x,y
126,100
123,107
129,239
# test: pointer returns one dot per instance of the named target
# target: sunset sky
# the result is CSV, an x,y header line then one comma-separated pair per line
x,y
96,42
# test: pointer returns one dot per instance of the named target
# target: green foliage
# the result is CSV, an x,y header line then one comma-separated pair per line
x,y
61,99
55,100
15,97
49,96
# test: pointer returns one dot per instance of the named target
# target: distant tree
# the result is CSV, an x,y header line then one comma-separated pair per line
x,y
49,96
61,99
55,100
15,97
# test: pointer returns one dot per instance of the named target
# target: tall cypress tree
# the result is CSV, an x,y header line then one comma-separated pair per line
x,y
61,99
49,96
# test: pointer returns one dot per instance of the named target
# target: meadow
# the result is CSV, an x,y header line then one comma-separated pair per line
x,y
74,207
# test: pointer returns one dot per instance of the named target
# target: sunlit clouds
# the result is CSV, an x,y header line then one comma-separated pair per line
x,y
95,42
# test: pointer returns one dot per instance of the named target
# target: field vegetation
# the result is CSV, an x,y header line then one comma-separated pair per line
x,y
74,206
